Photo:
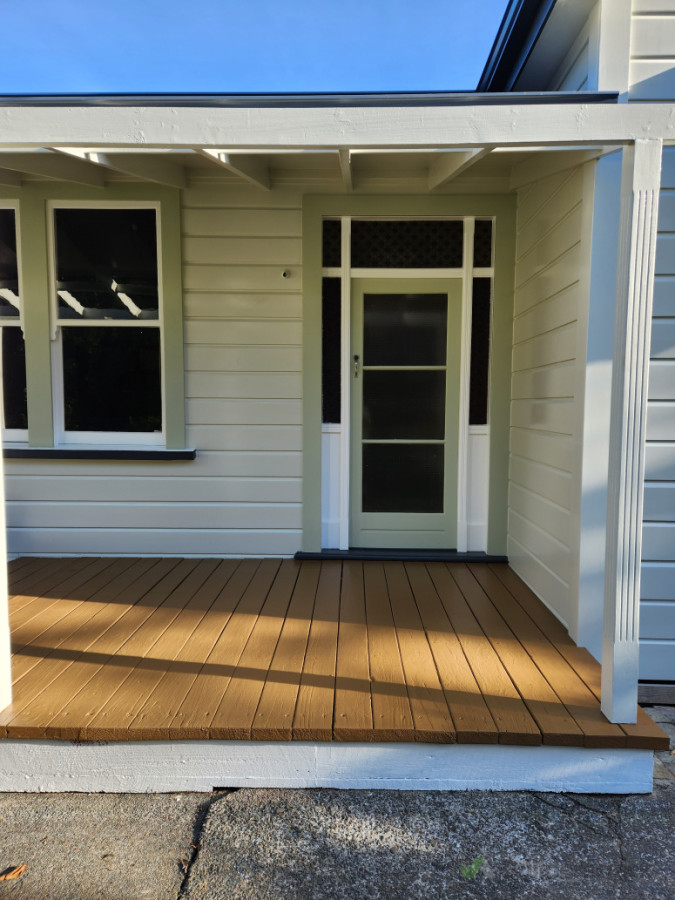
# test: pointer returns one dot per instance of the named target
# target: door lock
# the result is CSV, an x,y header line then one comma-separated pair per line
x,y
356,366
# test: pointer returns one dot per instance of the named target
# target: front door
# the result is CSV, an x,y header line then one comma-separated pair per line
x,y
406,360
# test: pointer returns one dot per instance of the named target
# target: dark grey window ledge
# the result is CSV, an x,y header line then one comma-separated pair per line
x,y
103,453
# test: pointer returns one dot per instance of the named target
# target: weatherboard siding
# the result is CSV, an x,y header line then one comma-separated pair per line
x,y
652,51
544,469
242,494
657,613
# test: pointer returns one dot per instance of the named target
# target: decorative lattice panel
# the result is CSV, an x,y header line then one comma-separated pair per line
x,y
407,244
332,244
482,243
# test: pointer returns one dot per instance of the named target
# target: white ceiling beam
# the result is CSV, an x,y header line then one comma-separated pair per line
x,y
9,179
410,127
450,165
249,168
148,167
548,163
345,159
53,165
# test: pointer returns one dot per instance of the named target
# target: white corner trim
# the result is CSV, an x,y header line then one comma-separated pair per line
x,y
640,184
167,766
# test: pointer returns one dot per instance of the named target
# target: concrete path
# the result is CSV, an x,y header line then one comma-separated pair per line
x,y
283,844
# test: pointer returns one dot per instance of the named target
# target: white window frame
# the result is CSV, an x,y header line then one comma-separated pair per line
x,y
62,437
14,435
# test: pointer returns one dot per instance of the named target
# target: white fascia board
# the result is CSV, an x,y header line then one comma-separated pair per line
x,y
520,125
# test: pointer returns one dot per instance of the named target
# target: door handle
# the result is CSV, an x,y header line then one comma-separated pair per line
x,y
356,366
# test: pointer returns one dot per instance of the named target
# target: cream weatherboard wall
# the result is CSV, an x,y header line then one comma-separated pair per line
x,y
549,333
242,494
652,51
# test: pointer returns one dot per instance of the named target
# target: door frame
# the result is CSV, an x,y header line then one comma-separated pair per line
x,y
501,208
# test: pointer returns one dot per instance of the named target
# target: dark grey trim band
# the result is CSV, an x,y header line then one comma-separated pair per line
x,y
403,555
102,454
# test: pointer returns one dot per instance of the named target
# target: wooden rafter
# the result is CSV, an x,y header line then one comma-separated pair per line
x,y
53,165
246,166
452,164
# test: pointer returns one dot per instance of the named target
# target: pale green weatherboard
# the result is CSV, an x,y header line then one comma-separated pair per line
x,y
316,207
412,530
33,200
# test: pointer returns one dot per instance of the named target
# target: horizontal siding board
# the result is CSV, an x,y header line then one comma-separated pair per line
x,y
657,661
557,416
660,462
244,385
226,222
561,203
549,315
244,412
660,421
659,502
549,382
657,620
257,278
553,484
555,449
665,254
242,306
653,6
543,547
152,515
268,438
212,358
535,198
227,464
268,331
658,541
158,489
651,79
214,194
550,517
553,347
667,206
540,579
558,275
652,36
663,339
664,296
657,581
211,251
555,239
668,168
662,379
146,542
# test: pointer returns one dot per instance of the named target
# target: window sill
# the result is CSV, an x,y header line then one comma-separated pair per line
x,y
112,453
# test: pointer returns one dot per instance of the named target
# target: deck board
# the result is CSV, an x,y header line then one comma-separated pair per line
x,y
168,649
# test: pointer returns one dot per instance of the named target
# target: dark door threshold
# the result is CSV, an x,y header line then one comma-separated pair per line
x,y
403,555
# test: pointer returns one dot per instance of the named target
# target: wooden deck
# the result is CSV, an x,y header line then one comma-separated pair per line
x,y
168,649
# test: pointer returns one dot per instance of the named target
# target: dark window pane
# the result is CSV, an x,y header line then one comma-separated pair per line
x,y
480,352
405,329
14,377
403,478
404,405
482,243
407,245
9,278
332,242
106,263
331,349
112,379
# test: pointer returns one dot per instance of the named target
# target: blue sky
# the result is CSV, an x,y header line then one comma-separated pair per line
x,y
231,46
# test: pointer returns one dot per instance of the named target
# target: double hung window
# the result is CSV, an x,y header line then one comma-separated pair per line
x,y
106,313
12,345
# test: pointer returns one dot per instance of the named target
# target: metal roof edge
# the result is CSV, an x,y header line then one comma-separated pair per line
x,y
262,101
518,32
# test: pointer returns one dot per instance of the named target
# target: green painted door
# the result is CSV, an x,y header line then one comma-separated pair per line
x,y
406,348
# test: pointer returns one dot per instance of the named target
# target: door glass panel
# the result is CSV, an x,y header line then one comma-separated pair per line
x,y
403,478
404,404
404,329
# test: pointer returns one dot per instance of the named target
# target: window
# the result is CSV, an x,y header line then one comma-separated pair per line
x,y
12,346
107,372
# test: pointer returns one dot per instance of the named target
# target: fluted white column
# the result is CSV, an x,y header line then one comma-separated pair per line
x,y
640,185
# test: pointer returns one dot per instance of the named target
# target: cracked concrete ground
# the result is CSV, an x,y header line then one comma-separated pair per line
x,y
274,844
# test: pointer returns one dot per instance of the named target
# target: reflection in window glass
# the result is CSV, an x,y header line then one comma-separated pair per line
x,y
9,277
112,379
405,329
403,478
106,263
480,351
331,349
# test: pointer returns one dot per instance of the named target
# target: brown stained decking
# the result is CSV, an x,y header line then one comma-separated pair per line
x,y
159,649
